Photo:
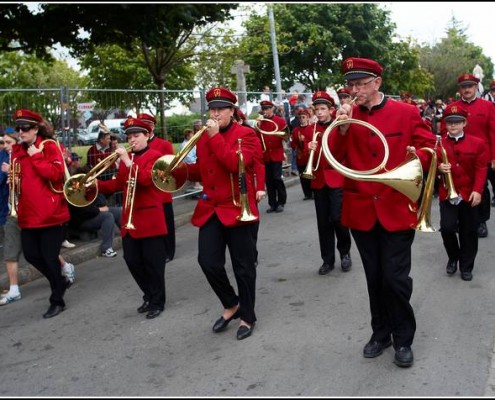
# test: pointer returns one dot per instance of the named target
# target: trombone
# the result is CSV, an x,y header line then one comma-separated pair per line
x,y
66,169
131,193
161,173
246,215
275,132
77,188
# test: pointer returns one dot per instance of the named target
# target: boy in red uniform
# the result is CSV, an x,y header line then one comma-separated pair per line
x,y
467,163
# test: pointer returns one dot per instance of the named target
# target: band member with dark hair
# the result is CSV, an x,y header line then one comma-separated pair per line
x,y
42,209
327,188
273,155
218,212
164,147
465,162
380,217
143,226
300,137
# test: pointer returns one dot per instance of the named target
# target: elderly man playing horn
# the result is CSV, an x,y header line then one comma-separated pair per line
x,y
380,217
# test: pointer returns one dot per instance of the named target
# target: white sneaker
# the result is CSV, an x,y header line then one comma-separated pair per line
x,y
69,271
68,245
109,253
8,298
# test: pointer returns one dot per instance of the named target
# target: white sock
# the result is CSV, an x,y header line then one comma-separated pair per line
x,y
14,290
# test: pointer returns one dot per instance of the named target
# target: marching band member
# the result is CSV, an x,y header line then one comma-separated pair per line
x,y
164,147
144,245
380,217
300,137
467,163
42,209
216,215
327,189
273,155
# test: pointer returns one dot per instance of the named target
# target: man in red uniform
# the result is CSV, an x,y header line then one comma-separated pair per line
x,y
217,212
480,123
300,137
273,155
380,217
327,189
467,163
42,208
164,147
143,244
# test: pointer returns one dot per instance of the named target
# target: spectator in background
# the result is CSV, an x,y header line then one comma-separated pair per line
x,y
99,151
190,158
266,95
490,95
4,188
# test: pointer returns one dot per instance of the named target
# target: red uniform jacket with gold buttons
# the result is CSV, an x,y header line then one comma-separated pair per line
x,y
164,147
468,159
147,211
217,168
324,173
274,144
39,206
365,203
301,136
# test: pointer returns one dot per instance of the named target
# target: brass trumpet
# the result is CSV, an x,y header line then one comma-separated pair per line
x,y
76,188
453,197
131,193
14,178
308,171
424,213
161,173
246,215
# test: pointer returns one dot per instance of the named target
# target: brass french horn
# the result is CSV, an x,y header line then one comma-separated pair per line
x,y
275,132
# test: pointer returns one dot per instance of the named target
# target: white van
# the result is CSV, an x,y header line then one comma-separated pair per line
x,y
111,124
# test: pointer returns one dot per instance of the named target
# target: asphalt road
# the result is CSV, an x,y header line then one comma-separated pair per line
x,y
308,340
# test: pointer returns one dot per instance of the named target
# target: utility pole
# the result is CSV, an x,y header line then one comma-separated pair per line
x,y
275,52
240,69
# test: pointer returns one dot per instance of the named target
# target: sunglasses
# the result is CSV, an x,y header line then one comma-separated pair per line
x,y
24,128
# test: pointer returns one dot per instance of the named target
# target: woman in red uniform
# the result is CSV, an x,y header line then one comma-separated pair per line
x,y
42,208
216,215
144,247
300,137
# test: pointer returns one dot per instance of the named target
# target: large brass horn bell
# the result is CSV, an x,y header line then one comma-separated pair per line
x,y
406,178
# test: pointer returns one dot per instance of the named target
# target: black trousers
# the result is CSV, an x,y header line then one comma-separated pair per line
x,y
213,240
146,259
275,187
485,205
305,182
459,229
168,210
328,206
386,258
41,247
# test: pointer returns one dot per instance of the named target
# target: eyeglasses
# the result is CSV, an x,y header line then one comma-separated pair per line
x,y
359,85
24,128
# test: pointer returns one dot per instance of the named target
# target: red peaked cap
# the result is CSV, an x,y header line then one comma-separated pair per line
x,y
455,112
147,118
23,117
322,97
467,80
135,125
344,91
267,103
357,68
220,97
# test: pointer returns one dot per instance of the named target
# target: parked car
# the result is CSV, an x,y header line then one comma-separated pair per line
x,y
85,138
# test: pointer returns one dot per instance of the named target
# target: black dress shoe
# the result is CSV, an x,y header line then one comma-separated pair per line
x,y
279,208
466,276
451,267
404,357
270,210
346,262
53,310
244,331
482,230
221,323
325,269
153,314
145,307
374,348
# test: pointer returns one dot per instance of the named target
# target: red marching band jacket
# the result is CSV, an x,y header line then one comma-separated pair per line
x,y
39,206
147,213
217,168
324,173
274,144
301,136
364,202
468,158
